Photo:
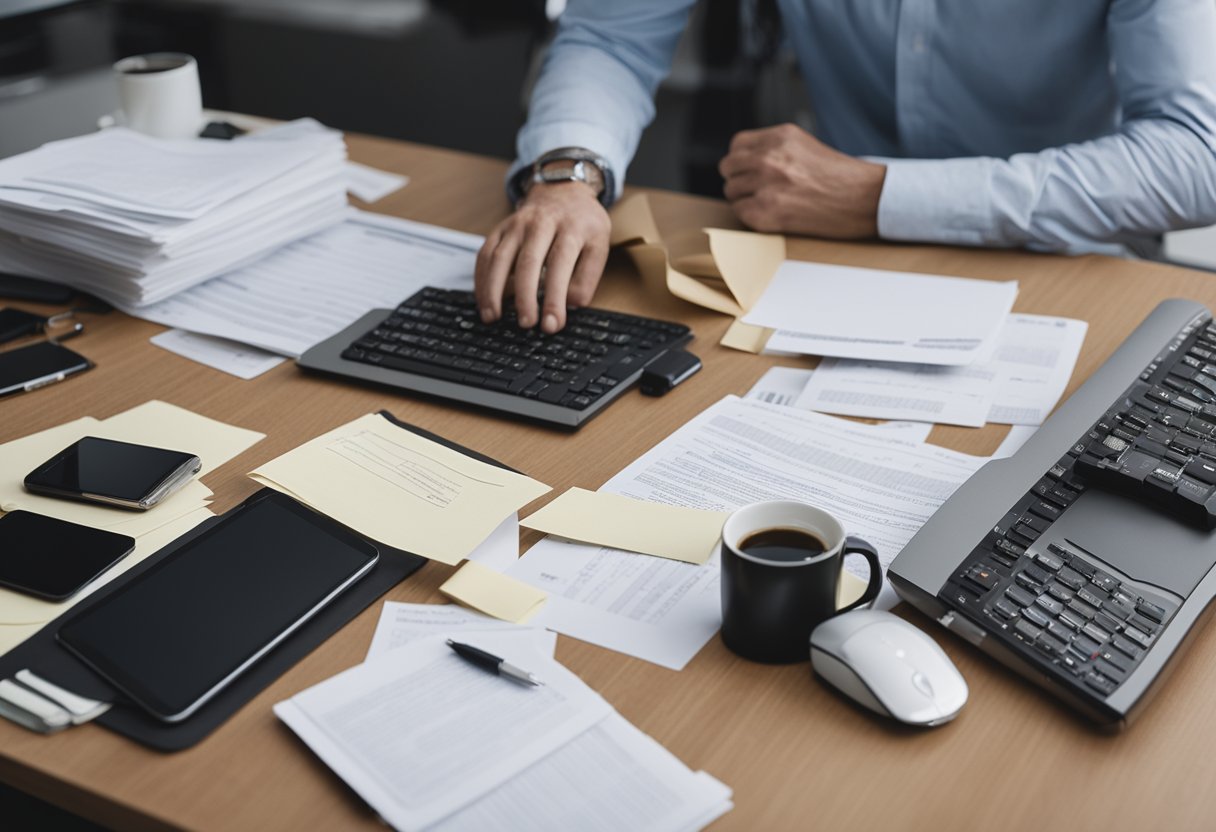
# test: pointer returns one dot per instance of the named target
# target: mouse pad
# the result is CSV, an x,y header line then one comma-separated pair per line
x,y
43,655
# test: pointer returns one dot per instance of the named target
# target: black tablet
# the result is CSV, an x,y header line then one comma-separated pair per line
x,y
176,635
53,559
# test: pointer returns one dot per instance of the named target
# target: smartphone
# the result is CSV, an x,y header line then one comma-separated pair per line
x,y
28,368
53,559
115,473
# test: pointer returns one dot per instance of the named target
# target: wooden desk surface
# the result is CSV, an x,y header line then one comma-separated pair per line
x,y
796,754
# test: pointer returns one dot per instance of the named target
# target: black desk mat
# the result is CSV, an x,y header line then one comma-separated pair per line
x,y
45,657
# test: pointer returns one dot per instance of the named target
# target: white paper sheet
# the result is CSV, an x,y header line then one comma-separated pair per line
x,y
401,624
736,452
371,184
882,390
822,309
220,353
500,550
780,385
421,733
1030,366
307,291
1034,361
610,778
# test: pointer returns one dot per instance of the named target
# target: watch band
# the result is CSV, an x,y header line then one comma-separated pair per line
x,y
524,178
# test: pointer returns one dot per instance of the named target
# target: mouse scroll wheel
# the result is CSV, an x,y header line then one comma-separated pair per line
x,y
921,681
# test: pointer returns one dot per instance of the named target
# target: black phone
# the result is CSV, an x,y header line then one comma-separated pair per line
x,y
122,474
28,368
53,559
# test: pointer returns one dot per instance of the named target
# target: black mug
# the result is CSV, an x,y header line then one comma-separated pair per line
x,y
781,567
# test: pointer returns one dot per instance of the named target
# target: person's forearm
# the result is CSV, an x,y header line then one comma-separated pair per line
x,y
1150,178
596,87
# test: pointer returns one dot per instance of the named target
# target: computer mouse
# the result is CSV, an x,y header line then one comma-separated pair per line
x,y
889,666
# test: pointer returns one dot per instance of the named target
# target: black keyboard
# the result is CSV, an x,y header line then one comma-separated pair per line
x,y
1087,625
562,378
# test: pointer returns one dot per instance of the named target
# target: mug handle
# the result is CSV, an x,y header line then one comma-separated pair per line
x,y
857,546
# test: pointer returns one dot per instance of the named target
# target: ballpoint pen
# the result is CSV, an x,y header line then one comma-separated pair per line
x,y
494,664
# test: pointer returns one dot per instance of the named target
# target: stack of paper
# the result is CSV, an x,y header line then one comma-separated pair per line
x,y
430,741
134,219
309,290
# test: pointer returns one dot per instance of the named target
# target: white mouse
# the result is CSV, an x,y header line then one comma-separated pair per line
x,y
889,666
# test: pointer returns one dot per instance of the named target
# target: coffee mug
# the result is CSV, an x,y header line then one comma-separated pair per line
x,y
159,94
781,567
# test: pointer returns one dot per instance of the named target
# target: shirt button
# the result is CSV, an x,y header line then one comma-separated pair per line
x,y
918,44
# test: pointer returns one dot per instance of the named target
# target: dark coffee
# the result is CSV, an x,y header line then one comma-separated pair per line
x,y
786,545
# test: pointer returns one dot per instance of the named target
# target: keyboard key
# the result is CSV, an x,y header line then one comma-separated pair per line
x,y
1071,578
983,576
1049,561
1100,683
1035,616
1104,582
1060,592
1096,633
1026,630
1019,596
1006,609
1071,620
1090,597
1050,605
1117,659
1106,622
1136,637
1126,647
1060,631
1144,624
1085,646
1151,610
1082,609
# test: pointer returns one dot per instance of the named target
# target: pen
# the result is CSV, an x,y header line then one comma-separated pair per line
x,y
493,663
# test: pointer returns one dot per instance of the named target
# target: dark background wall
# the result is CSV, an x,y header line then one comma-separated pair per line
x,y
448,72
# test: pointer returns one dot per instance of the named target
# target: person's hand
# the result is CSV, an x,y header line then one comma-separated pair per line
x,y
558,227
782,179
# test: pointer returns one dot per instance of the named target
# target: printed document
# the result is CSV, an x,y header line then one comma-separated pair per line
x,y
402,623
401,489
846,312
883,390
1021,383
220,353
422,733
307,291
736,452
610,778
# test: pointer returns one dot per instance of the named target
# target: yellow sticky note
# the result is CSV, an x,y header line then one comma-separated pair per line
x,y
605,519
746,337
401,489
493,593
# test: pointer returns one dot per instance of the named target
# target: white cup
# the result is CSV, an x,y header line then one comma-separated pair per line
x,y
159,94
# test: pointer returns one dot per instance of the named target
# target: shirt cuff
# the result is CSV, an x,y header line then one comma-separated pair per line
x,y
937,201
534,141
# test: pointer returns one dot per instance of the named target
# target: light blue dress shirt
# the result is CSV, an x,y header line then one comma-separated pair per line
x,y
1058,125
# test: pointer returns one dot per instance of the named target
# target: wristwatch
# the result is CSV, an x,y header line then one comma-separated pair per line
x,y
565,164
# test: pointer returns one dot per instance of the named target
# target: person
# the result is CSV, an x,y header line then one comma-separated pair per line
x,y
1086,126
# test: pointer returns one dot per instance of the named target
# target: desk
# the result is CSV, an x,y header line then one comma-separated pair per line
x,y
796,754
